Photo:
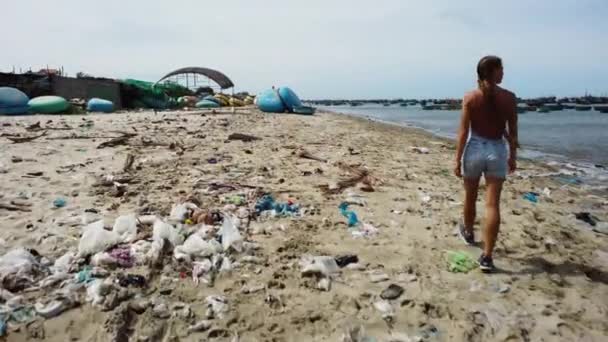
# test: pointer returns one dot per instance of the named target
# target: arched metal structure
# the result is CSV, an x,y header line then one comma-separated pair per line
x,y
222,80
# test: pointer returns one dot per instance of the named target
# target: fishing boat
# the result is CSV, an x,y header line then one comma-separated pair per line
x,y
544,109
601,109
582,108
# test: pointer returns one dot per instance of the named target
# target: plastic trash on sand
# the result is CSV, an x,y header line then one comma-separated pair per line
x,y
126,227
230,235
96,239
531,196
218,305
200,268
386,309
183,211
350,215
460,262
164,231
267,203
364,230
18,269
195,246
97,290
356,334
59,202
421,150
319,266
63,263
355,199
54,308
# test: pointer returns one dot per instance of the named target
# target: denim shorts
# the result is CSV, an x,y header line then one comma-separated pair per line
x,y
484,156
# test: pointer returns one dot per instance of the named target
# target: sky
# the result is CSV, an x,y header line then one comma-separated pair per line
x,y
321,49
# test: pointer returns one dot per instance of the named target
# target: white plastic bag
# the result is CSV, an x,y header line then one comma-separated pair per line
x,y
95,239
63,263
196,246
165,231
126,227
230,235
218,304
179,212
319,266
19,265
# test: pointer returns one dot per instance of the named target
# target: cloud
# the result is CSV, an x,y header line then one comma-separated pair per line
x,y
387,48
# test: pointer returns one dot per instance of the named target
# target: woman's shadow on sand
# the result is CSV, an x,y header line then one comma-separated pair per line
x,y
539,265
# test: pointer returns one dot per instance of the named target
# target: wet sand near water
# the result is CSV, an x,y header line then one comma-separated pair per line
x,y
552,282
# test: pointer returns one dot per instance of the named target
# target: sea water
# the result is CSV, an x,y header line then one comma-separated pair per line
x,y
574,140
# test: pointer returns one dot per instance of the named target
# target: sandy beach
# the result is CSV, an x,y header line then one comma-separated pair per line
x,y
551,284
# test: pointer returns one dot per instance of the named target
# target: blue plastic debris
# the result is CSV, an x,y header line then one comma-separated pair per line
x,y
267,202
531,196
59,203
349,214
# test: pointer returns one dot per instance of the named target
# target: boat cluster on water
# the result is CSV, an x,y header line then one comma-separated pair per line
x,y
541,105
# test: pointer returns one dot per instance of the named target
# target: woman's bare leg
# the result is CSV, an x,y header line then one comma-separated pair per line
x,y
492,221
471,186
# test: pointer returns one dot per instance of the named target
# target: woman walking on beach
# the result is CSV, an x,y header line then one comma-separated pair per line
x,y
488,117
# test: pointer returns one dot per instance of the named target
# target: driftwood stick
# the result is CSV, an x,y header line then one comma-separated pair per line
x,y
17,140
11,207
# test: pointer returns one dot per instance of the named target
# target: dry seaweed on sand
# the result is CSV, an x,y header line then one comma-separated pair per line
x,y
17,140
358,175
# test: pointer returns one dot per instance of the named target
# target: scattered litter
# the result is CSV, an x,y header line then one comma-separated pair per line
x,y
19,269
355,199
54,308
424,198
601,227
350,215
135,280
547,192
421,150
85,276
460,262
378,277
344,260
122,256
267,203
217,305
237,200
96,239
393,291
183,211
59,203
200,268
203,325
385,308
318,266
531,196
324,284
365,230
126,227
196,246
587,217
231,238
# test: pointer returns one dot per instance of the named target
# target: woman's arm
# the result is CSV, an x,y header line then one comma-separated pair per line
x,y
463,132
512,136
